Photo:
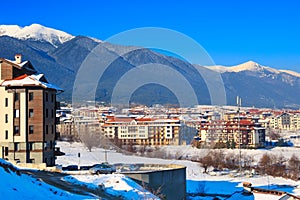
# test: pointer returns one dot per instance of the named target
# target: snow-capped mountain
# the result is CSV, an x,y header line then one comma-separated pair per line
x,y
59,55
252,67
36,32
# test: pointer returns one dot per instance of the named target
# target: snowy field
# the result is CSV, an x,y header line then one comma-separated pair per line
x,y
197,181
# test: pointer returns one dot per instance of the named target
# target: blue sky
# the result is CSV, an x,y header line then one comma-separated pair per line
x,y
231,31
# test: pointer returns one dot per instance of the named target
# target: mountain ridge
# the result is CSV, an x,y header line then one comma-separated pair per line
x,y
258,85
36,32
250,66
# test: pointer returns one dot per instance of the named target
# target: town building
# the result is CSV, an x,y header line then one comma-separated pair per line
x,y
27,119
234,133
142,130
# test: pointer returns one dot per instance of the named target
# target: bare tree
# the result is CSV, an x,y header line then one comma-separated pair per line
x,y
218,158
90,138
274,135
273,165
231,161
294,165
265,163
206,162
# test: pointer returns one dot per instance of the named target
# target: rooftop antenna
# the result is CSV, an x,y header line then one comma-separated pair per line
x,y
239,104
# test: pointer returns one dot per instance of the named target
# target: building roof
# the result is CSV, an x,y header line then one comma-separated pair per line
x,y
37,80
25,64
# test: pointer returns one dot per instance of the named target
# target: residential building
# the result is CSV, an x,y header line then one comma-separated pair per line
x,y
27,118
142,130
243,133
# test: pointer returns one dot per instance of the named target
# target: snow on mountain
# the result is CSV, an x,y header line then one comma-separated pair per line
x,y
247,66
35,32
290,72
253,67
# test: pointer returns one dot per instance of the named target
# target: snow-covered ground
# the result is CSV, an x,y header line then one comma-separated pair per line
x,y
197,181
20,186
116,185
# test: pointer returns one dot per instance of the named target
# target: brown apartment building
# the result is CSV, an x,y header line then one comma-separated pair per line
x,y
27,114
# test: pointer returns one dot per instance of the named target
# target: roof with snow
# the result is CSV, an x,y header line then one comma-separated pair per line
x,y
37,80
25,64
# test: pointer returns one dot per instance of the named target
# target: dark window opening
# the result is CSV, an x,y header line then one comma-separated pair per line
x,y
31,129
6,151
17,96
30,96
17,146
31,113
16,130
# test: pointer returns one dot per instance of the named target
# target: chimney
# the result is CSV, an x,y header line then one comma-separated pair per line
x,y
18,58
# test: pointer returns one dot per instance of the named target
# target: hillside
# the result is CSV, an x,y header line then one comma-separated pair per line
x,y
60,55
260,86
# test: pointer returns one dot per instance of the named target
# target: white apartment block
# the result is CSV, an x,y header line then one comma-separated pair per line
x,y
143,131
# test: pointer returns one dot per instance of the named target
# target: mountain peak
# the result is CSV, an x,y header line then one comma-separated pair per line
x,y
36,32
250,66
247,66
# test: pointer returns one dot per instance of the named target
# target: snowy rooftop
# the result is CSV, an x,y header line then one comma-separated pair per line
x,y
32,80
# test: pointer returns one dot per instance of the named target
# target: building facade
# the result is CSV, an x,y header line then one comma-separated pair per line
x,y
27,119
143,131
243,133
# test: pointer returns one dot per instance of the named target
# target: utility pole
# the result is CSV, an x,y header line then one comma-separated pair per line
x,y
239,103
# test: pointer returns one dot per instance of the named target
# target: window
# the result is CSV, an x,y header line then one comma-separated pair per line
x,y
17,146
17,96
6,118
16,130
6,134
6,102
31,146
46,96
30,113
52,113
31,129
16,113
46,129
32,160
30,96
6,151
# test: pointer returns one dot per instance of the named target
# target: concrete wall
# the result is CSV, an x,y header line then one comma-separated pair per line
x,y
170,182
